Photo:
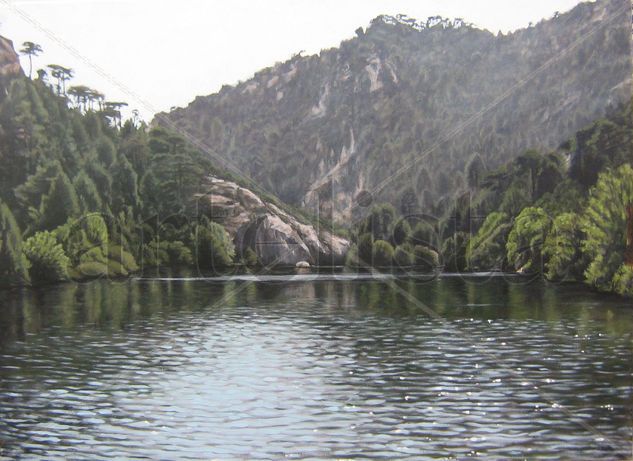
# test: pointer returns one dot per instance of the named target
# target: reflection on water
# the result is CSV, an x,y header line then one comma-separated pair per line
x,y
315,369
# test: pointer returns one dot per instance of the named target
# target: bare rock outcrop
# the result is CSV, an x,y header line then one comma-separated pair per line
x,y
9,65
9,60
277,237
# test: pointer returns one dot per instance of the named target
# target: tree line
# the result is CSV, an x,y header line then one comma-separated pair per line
x,y
566,214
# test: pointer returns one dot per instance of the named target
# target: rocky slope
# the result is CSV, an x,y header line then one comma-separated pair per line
x,y
276,237
404,105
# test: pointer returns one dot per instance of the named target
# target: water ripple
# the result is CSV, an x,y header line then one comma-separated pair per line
x,y
326,369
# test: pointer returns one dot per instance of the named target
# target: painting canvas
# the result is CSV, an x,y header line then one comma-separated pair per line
x,y
316,229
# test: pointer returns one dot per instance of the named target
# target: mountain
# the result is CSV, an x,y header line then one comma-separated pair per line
x,y
400,110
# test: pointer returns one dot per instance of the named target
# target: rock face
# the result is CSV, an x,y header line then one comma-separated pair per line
x,y
277,237
9,65
9,60
403,106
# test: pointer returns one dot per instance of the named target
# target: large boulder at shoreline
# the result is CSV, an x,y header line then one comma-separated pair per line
x,y
276,236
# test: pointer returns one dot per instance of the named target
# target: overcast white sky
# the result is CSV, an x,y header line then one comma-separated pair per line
x,y
156,54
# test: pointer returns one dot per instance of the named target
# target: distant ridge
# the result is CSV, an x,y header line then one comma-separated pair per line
x,y
400,110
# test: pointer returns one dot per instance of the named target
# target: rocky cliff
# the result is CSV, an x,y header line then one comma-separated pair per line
x,y
9,60
400,109
277,237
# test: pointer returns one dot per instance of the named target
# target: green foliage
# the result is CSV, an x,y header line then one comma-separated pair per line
x,y
134,145
48,261
423,234
521,182
419,97
174,174
126,231
401,232
365,249
425,258
250,258
454,252
403,256
13,264
486,250
91,269
87,192
116,269
475,171
103,181
150,192
85,239
60,205
525,241
514,199
408,202
568,196
623,280
379,223
382,253
124,186
119,256
128,173
562,248
604,226
106,151
178,254
30,193
588,236
155,254
214,248
605,144
351,258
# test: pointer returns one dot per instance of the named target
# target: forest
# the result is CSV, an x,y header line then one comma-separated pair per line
x,y
566,215
405,98
84,194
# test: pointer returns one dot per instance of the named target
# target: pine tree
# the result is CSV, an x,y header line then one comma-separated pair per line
x,y
60,205
13,264
475,171
31,49
124,186
87,193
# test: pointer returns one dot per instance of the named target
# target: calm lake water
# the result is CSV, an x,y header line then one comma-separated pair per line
x,y
315,369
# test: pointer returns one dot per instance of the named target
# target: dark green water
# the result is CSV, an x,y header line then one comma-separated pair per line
x,y
315,369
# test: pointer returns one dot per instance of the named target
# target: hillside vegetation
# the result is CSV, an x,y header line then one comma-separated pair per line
x,y
566,214
85,194
402,108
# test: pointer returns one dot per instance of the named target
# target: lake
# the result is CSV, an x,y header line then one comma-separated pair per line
x,y
323,367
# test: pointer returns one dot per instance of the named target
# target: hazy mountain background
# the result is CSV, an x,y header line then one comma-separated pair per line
x,y
401,109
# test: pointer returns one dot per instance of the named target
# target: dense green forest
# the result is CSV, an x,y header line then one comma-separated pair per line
x,y
85,194
567,214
